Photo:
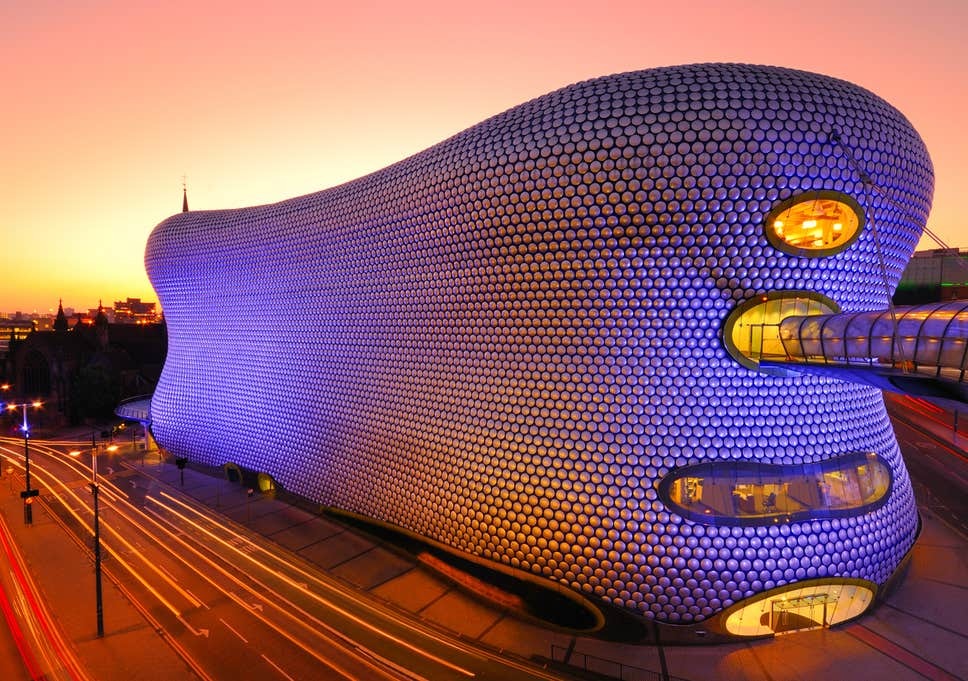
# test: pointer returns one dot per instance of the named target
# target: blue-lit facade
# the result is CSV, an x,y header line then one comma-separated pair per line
x,y
512,343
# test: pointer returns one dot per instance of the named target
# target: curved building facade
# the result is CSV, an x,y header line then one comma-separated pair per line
x,y
536,342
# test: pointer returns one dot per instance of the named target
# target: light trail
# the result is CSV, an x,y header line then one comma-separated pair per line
x,y
26,653
137,517
366,604
50,643
940,443
114,496
260,557
319,598
279,603
250,552
51,482
157,626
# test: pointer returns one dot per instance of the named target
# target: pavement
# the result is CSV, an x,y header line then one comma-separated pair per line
x,y
918,632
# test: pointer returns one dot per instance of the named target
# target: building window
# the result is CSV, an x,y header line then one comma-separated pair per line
x,y
815,224
751,332
810,604
750,493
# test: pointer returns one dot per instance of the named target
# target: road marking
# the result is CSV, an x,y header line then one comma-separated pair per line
x,y
227,626
165,573
278,668
201,602
197,632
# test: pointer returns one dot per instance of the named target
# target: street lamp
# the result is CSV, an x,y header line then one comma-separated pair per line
x,y
99,607
28,494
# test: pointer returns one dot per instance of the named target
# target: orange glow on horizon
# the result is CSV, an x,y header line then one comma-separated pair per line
x,y
107,107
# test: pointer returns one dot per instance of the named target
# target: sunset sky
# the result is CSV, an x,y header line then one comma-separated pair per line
x,y
107,104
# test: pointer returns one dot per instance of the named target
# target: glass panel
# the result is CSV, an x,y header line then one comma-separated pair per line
x,y
959,326
819,223
933,346
753,328
748,493
805,605
882,339
953,353
858,343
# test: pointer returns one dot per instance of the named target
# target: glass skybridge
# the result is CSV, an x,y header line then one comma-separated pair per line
x,y
924,339
921,350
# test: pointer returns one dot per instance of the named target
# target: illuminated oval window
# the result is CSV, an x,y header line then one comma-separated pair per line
x,y
804,605
751,332
751,493
815,224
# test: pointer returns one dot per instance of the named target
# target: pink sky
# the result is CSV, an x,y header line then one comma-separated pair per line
x,y
107,104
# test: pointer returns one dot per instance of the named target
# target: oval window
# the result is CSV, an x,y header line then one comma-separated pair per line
x,y
807,604
751,332
752,493
815,224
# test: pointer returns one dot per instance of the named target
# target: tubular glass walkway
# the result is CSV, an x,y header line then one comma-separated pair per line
x,y
924,339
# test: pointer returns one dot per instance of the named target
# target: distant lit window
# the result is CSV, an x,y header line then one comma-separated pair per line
x,y
751,332
815,224
750,493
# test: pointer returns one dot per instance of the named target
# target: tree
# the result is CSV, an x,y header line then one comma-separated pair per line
x,y
94,394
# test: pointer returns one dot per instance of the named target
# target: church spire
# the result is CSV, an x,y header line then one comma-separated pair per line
x,y
101,327
101,319
60,321
184,196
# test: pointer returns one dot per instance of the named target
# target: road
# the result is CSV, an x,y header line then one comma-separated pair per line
x,y
232,603
939,471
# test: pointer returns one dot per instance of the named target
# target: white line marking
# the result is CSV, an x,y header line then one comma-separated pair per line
x,y
278,668
227,626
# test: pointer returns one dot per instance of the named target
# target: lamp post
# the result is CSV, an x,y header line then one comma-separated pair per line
x,y
28,494
95,489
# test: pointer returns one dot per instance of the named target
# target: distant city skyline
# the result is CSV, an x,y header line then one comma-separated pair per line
x,y
74,310
109,106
